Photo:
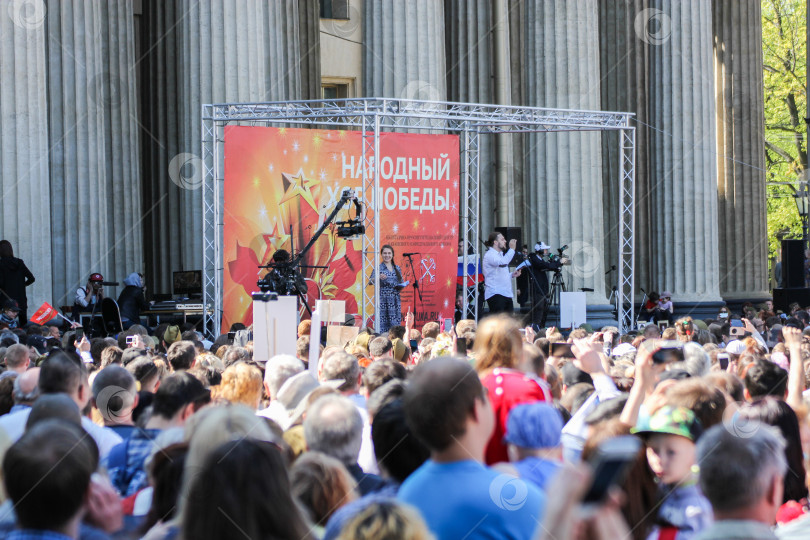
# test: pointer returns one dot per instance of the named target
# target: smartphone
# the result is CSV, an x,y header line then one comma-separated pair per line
x,y
736,323
610,464
414,345
130,341
448,325
663,325
667,351
561,350
231,336
722,359
79,334
461,346
736,331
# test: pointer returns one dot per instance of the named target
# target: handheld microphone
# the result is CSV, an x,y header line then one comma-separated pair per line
x,y
410,254
110,283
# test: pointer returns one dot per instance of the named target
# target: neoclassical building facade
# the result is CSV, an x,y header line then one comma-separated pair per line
x,y
100,122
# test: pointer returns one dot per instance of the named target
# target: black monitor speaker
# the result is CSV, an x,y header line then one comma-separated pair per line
x,y
792,264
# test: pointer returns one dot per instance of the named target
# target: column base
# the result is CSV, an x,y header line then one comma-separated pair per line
x,y
736,301
598,315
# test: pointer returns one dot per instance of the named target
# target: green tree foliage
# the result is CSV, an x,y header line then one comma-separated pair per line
x,y
784,49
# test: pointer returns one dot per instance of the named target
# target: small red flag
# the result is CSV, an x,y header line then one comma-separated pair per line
x,y
45,313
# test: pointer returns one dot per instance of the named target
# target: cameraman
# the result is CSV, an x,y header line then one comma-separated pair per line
x,y
282,278
88,298
540,264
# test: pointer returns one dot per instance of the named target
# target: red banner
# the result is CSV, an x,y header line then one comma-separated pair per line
x,y
281,184
45,313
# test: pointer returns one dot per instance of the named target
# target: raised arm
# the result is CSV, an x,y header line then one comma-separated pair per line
x,y
796,382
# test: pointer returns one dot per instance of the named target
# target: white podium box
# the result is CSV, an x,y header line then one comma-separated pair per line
x,y
573,310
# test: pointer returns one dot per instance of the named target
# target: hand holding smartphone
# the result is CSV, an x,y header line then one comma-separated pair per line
x,y
610,464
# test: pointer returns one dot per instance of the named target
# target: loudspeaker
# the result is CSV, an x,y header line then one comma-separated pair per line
x,y
782,298
509,233
792,264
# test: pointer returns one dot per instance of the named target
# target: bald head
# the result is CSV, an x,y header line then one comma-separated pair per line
x,y
26,387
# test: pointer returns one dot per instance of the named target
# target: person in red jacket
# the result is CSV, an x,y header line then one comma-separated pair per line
x,y
498,350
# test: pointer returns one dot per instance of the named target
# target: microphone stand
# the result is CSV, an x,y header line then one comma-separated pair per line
x,y
641,307
416,288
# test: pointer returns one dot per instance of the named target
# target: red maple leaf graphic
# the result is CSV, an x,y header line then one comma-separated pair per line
x,y
244,269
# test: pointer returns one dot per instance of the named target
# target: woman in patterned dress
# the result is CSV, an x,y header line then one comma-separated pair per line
x,y
390,277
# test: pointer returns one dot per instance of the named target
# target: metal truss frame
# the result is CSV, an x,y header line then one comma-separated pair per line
x,y
374,115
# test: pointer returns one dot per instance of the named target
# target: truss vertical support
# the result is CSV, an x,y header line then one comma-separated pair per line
x,y
212,229
370,155
627,242
469,204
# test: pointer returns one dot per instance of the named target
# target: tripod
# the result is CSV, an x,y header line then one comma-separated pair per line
x,y
557,286
614,301
415,284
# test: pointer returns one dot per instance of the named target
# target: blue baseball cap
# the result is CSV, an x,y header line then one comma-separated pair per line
x,y
534,425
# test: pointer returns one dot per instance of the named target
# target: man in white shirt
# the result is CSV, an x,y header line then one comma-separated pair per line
x,y
497,278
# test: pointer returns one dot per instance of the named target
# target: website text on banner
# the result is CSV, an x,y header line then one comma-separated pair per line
x,y
280,185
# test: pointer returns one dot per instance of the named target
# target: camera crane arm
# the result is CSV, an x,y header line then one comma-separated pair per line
x,y
346,196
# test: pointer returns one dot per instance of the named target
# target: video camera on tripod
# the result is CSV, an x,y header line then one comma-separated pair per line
x,y
561,257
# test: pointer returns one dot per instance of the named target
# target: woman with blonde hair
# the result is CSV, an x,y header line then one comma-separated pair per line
x,y
498,352
386,520
242,383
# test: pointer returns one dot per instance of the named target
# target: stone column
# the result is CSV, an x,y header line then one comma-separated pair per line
x,y
404,50
309,13
203,52
742,230
25,220
115,90
468,43
623,54
79,105
517,55
683,167
563,186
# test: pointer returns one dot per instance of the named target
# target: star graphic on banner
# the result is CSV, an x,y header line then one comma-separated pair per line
x,y
316,140
455,184
322,175
395,228
416,224
274,241
271,167
295,186
296,146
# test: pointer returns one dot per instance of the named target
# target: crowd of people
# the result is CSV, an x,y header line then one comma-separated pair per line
x,y
489,430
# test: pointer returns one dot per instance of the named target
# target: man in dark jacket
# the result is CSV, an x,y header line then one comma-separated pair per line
x,y
14,278
539,284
